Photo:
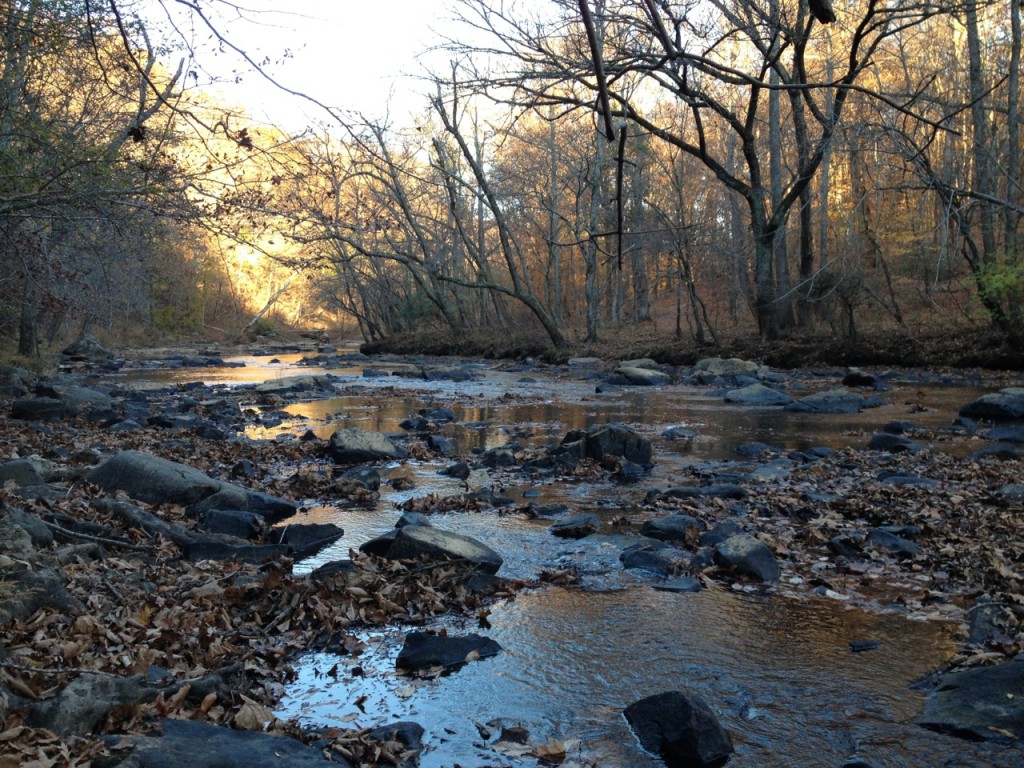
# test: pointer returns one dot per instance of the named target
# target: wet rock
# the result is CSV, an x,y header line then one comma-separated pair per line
x,y
679,433
202,745
367,478
643,377
680,728
358,446
414,541
673,528
576,526
757,395
981,703
440,444
748,555
422,651
655,556
412,518
885,540
834,401
901,427
334,570
756,450
628,472
1005,405
862,646
680,584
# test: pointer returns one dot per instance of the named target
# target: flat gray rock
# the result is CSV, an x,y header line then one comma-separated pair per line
x,y
415,541
979,703
1005,405
757,395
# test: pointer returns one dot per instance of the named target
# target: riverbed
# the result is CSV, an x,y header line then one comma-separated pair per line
x,y
779,671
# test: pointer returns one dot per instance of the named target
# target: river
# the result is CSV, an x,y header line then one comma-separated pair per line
x,y
778,671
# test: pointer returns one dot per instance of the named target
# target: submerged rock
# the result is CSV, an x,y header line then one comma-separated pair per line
x,y
834,401
680,728
576,526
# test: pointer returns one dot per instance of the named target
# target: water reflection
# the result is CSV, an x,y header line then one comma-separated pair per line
x,y
779,673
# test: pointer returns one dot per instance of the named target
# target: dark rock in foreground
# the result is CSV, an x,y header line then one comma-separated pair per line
x,y
201,745
680,728
423,651
982,703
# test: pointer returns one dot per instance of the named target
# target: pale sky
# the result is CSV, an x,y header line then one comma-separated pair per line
x,y
358,55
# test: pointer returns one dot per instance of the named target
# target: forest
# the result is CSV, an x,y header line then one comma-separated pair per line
x,y
696,171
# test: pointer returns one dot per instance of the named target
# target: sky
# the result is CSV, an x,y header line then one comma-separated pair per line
x,y
359,55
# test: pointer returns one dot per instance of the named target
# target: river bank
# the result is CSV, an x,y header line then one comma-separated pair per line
x,y
815,518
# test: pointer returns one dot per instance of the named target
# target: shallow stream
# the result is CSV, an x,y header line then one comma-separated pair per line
x,y
778,671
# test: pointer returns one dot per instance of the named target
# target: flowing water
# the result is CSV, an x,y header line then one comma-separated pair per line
x,y
778,671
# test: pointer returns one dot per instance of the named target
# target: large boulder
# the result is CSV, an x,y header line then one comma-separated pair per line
x,y
85,702
746,554
358,446
1005,405
757,395
415,541
978,703
155,480
680,728
87,348
149,478
834,401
